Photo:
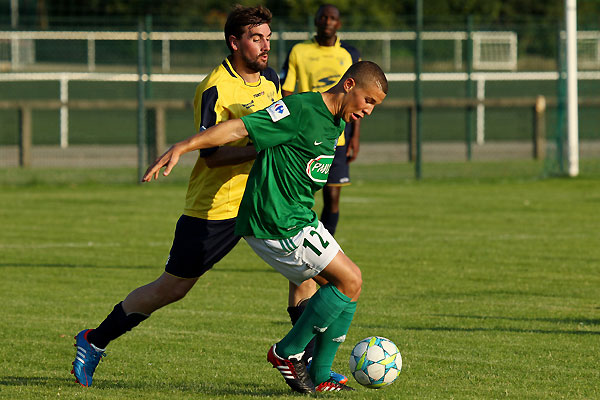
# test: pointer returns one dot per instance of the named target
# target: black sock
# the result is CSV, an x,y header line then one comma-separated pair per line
x,y
330,220
295,313
115,324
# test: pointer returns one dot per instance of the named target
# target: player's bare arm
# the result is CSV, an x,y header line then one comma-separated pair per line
x,y
285,93
225,132
230,155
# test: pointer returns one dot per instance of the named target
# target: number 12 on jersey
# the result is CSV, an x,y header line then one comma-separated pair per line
x,y
315,247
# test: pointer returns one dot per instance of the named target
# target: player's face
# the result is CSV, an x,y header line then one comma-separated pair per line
x,y
328,21
254,46
360,101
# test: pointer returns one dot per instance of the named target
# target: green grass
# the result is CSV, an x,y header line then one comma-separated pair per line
x,y
487,283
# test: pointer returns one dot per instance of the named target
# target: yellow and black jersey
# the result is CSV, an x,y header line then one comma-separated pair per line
x,y
316,68
312,67
216,193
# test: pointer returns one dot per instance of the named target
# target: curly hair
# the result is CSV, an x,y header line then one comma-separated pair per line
x,y
242,16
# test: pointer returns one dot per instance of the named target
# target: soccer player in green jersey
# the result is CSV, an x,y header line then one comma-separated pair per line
x,y
296,139
316,65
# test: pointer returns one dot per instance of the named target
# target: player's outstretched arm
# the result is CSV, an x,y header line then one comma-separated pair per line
x,y
218,135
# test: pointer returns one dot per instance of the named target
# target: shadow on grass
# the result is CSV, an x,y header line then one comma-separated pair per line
x,y
511,330
242,389
215,269
584,321
30,381
58,265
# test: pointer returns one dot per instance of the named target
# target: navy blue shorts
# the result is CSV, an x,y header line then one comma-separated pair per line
x,y
199,244
339,173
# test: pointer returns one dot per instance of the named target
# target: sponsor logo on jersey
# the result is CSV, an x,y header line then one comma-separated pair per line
x,y
278,110
248,105
259,94
317,169
327,81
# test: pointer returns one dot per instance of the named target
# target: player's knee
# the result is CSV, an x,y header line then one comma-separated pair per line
x,y
331,198
353,285
172,292
357,286
178,294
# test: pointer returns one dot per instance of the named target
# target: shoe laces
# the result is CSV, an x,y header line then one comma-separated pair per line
x,y
96,355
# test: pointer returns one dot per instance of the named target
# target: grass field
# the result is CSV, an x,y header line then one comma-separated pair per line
x,y
489,286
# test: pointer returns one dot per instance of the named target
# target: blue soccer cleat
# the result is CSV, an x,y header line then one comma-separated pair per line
x,y
86,359
339,378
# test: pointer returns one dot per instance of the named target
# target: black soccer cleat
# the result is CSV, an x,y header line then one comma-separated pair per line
x,y
331,385
293,370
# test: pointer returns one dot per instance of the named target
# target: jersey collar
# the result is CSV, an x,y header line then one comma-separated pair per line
x,y
229,68
336,44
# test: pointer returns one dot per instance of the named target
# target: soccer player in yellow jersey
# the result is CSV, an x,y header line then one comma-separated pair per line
x,y
205,233
317,65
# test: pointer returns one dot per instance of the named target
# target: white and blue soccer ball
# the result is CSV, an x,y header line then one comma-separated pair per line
x,y
375,362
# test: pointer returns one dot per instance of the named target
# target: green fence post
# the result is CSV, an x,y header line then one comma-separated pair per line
x,y
148,53
561,108
469,89
280,44
150,112
418,100
141,117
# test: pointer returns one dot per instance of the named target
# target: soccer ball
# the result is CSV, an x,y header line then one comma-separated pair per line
x,y
375,362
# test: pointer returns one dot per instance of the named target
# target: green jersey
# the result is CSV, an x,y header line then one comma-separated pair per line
x,y
295,139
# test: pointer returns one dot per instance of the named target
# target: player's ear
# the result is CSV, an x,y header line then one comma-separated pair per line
x,y
233,42
349,83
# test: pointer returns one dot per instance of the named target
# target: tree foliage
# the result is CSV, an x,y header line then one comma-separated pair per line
x,y
371,14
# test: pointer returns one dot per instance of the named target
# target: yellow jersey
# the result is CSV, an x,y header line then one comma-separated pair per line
x,y
216,193
317,68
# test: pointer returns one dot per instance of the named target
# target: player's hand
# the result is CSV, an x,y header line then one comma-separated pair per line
x,y
169,158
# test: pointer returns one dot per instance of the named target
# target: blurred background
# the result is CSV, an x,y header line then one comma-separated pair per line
x,y
85,84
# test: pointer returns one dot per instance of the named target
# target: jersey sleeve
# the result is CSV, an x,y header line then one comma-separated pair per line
x,y
274,125
270,75
354,53
289,72
206,112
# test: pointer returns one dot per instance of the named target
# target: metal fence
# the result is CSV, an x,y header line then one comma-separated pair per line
x,y
102,63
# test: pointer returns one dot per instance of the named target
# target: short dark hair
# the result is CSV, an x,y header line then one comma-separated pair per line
x,y
365,73
323,7
242,16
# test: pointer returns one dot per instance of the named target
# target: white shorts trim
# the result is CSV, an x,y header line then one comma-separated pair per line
x,y
300,257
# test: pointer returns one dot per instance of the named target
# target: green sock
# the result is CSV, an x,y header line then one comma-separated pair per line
x,y
327,344
323,308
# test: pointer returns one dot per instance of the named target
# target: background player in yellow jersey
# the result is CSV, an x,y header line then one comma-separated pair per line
x,y
242,84
317,65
